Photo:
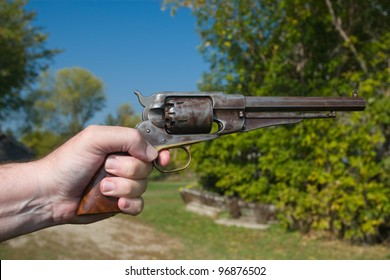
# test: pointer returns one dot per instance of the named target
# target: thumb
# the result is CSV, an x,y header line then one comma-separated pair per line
x,y
111,139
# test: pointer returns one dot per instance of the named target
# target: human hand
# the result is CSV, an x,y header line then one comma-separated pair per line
x,y
69,169
47,192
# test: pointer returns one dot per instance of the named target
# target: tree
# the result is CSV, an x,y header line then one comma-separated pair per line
x,y
125,116
62,106
23,54
322,175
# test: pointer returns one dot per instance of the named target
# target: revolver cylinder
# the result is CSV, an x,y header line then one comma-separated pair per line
x,y
186,115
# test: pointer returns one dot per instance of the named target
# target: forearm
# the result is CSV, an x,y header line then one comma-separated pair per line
x,y
23,207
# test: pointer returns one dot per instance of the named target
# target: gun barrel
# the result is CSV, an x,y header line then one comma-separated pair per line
x,y
303,104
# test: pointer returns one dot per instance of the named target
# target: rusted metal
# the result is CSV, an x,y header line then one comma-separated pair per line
x,y
304,104
186,115
180,119
174,119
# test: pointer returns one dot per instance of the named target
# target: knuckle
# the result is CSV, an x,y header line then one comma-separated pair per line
x,y
127,188
134,206
138,187
133,188
136,136
89,132
131,168
137,169
138,206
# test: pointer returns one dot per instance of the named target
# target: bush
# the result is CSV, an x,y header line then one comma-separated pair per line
x,y
326,175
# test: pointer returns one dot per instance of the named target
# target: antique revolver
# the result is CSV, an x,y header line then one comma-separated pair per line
x,y
180,119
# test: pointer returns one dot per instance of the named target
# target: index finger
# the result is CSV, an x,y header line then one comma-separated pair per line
x,y
164,158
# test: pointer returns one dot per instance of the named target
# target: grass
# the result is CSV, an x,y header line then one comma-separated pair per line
x,y
198,237
203,239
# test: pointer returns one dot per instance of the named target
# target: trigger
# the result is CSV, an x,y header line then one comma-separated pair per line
x,y
175,166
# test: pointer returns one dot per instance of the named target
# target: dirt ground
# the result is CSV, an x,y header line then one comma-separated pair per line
x,y
115,238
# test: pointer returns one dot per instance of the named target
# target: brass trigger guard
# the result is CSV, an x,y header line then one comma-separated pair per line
x,y
160,168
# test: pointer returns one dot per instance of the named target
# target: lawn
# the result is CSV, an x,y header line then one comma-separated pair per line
x,y
165,230
203,239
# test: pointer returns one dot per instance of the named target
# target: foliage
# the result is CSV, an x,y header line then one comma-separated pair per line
x,y
180,235
323,175
202,238
61,107
23,54
42,141
125,116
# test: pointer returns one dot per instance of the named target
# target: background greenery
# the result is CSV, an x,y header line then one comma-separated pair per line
x,y
328,177
23,54
44,108
195,238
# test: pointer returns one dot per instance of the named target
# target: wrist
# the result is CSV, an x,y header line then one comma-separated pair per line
x,y
51,193
24,207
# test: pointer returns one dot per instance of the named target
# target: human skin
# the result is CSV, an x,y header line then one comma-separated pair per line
x,y
46,192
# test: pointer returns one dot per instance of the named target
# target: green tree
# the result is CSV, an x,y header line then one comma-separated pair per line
x,y
125,116
323,175
42,142
23,54
61,106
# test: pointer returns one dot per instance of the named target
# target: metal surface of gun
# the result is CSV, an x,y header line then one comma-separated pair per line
x,y
180,119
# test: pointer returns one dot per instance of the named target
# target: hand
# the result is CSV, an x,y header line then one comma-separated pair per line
x,y
79,159
47,192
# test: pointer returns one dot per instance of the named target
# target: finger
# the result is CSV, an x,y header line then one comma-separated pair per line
x,y
164,158
122,187
111,139
131,206
128,167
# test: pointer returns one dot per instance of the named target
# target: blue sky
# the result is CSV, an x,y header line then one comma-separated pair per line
x,y
129,44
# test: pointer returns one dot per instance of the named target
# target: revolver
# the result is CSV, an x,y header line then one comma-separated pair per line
x,y
180,119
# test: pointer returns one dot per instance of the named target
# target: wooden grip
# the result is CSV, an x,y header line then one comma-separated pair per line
x,y
93,201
